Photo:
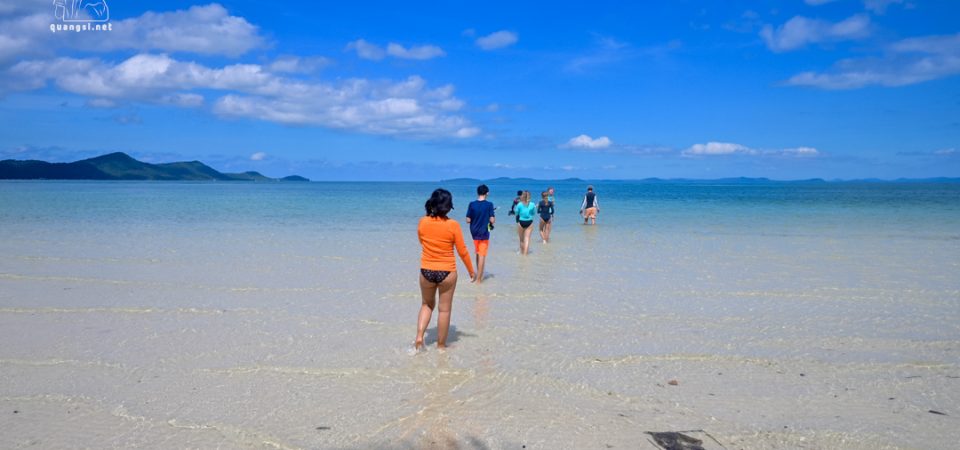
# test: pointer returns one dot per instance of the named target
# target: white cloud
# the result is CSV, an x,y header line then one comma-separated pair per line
x,y
717,148
584,141
29,60
946,152
467,132
728,148
208,29
367,50
818,2
904,62
802,152
800,31
297,64
416,52
258,156
406,107
498,39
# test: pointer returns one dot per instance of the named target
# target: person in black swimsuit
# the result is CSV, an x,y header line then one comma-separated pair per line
x,y
545,210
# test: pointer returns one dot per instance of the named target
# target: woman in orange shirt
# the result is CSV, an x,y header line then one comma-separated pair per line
x,y
439,236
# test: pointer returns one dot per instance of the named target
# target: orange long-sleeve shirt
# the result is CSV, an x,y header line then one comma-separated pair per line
x,y
439,237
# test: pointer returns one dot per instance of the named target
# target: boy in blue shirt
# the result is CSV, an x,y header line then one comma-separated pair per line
x,y
481,218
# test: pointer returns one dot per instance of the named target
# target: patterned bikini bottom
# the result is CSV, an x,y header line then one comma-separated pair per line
x,y
434,276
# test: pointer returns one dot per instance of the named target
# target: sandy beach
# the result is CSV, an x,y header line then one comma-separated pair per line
x,y
124,330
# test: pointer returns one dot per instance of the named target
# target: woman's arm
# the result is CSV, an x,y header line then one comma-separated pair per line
x,y
462,249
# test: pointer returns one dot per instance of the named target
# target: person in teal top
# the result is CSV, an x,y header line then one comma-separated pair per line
x,y
526,211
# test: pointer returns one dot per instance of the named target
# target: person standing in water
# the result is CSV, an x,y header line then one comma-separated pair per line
x,y
590,206
545,210
552,198
513,207
481,218
439,236
525,211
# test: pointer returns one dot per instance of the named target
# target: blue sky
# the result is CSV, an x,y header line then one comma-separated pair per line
x,y
434,90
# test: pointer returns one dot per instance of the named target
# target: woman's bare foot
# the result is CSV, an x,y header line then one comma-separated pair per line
x,y
418,344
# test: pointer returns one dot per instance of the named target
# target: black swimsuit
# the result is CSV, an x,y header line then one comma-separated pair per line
x,y
434,276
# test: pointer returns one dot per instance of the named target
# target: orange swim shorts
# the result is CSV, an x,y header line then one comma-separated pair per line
x,y
481,246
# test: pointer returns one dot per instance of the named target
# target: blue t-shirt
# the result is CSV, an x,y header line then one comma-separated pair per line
x,y
525,212
480,212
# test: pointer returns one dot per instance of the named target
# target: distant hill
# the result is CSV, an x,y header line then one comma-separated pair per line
x,y
121,166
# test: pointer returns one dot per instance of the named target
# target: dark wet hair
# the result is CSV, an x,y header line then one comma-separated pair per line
x,y
482,189
439,203
519,193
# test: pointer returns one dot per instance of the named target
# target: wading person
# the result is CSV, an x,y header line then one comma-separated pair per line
x,y
439,237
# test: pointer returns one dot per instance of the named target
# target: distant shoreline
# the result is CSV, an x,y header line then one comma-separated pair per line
x,y
122,167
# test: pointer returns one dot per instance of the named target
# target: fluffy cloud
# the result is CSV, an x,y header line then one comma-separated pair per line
x,y
800,31
729,148
904,62
717,148
297,64
498,39
584,141
415,52
250,91
368,50
258,156
29,60
206,29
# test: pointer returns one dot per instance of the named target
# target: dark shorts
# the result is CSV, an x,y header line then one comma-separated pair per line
x,y
525,223
434,276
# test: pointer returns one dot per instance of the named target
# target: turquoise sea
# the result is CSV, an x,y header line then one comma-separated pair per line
x,y
281,315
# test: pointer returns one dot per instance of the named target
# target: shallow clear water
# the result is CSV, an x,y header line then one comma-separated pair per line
x,y
241,314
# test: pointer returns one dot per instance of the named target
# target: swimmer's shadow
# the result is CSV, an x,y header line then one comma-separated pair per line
x,y
453,335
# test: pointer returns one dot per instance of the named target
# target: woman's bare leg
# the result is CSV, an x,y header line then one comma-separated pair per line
x,y
447,286
543,231
526,239
520,236
549,227
428,291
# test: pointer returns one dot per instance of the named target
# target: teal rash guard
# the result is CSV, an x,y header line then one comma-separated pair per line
x,y
525,212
